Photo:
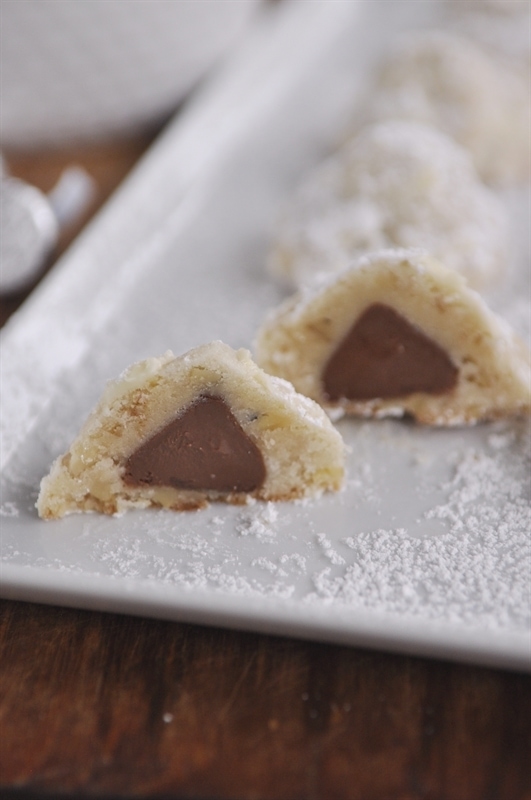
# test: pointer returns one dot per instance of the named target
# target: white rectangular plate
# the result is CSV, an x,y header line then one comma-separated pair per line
x,y
425,551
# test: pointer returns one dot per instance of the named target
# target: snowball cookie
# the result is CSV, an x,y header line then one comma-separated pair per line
x,y
450,82
502,7
179,432
501,28
398,184
398,334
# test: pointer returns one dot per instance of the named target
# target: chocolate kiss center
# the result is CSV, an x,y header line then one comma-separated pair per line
x,y
385,356
205,448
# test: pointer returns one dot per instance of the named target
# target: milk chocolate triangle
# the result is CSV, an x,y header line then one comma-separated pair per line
x,y
182,432
205,448
384,355
398,333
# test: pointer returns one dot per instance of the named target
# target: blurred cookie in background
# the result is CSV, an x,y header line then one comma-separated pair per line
x,y
397,184
503,27
446,80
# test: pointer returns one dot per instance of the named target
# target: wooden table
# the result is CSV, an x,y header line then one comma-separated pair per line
x,y
102,705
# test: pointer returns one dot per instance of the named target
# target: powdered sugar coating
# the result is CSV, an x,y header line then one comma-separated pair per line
x,y
398,184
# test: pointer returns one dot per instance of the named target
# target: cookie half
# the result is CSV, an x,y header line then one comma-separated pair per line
x,y
180,432
397,334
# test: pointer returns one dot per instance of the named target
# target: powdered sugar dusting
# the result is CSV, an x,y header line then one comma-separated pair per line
x,y
476,571
8,510
327,549
258,523
432,524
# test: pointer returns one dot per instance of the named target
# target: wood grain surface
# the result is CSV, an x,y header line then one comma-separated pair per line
x,y
102,705
112,705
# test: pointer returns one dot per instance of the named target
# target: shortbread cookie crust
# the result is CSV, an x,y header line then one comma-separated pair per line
x,y
302,452
492,365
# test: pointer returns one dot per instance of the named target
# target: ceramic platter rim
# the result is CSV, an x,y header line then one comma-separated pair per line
x,y
157,205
